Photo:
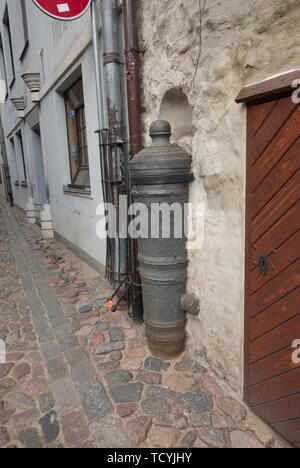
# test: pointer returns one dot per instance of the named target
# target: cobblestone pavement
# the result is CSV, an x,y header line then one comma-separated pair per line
x,y
77,375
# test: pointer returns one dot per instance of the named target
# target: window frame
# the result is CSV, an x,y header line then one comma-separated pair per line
x,y
6,23
25,29
19,136
78,130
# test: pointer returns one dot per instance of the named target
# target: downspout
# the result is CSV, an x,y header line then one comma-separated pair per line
x,y
96,50
135,122
6,167
109,13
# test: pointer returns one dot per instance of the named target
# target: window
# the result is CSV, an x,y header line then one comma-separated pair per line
x,y
10,67
77,139
25,29
14,160
21,149
3,75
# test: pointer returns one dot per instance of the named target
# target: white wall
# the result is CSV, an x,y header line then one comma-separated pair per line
x,y
56,49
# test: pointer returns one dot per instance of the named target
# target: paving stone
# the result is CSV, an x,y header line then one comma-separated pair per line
x,y
148,377
262,431
57,368
189,364
135,353
34,357
233,409
83,372
35,386
97,338
85,309
188,440
50,350
181,383
164,437
21,371
30,438
75,428
85,331
20,399
5,369
14,357
244,440
50,427
75,355
102,326
4,437
212,437
181,407
132,364
118,377
95,400
156,406
156,365
116,356
63,331
162,392
116,334
221,421
138,429
199,401
180,422
37,371
126,393
68,342
126,409
107,366
46,402
25,418
65,395
200,420
109,433
210,385
108,348
5,415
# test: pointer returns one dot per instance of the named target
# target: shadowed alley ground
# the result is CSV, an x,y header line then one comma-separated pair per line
x,y
77,375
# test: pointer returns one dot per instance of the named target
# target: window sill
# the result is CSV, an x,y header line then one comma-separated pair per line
x,y
82,193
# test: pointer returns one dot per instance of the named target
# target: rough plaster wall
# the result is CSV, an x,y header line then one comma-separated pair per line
x,y
243,42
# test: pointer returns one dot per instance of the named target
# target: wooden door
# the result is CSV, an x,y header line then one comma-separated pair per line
x,y
272,298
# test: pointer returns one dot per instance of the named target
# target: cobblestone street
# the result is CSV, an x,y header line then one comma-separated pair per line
x,y
77,375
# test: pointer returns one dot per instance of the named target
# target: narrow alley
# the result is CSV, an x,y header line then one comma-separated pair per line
x,y
78,375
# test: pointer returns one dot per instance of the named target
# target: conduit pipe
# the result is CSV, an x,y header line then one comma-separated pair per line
x,y
135,123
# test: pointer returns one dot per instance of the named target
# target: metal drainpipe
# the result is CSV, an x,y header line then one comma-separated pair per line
x,y
6,167
135,120
96,50
109,12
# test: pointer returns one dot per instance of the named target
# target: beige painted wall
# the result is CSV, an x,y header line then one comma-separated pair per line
x,y
243,42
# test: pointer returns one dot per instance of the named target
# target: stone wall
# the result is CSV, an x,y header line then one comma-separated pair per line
x,y
242,42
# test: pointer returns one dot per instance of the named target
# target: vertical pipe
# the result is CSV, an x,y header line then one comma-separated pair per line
x,y
135,120
109,12
96,49
6,167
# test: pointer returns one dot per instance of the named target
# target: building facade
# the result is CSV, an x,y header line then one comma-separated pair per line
x,y
193,66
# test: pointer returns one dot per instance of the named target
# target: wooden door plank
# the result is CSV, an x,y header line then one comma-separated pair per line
x,y
272,366
282,230
260,114
281,312
290,430
280,410
278,177
277,149
276,388
272,292
277,207
276,121
287,254
275,340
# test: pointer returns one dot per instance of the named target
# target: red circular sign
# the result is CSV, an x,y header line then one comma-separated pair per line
x,y
66,10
